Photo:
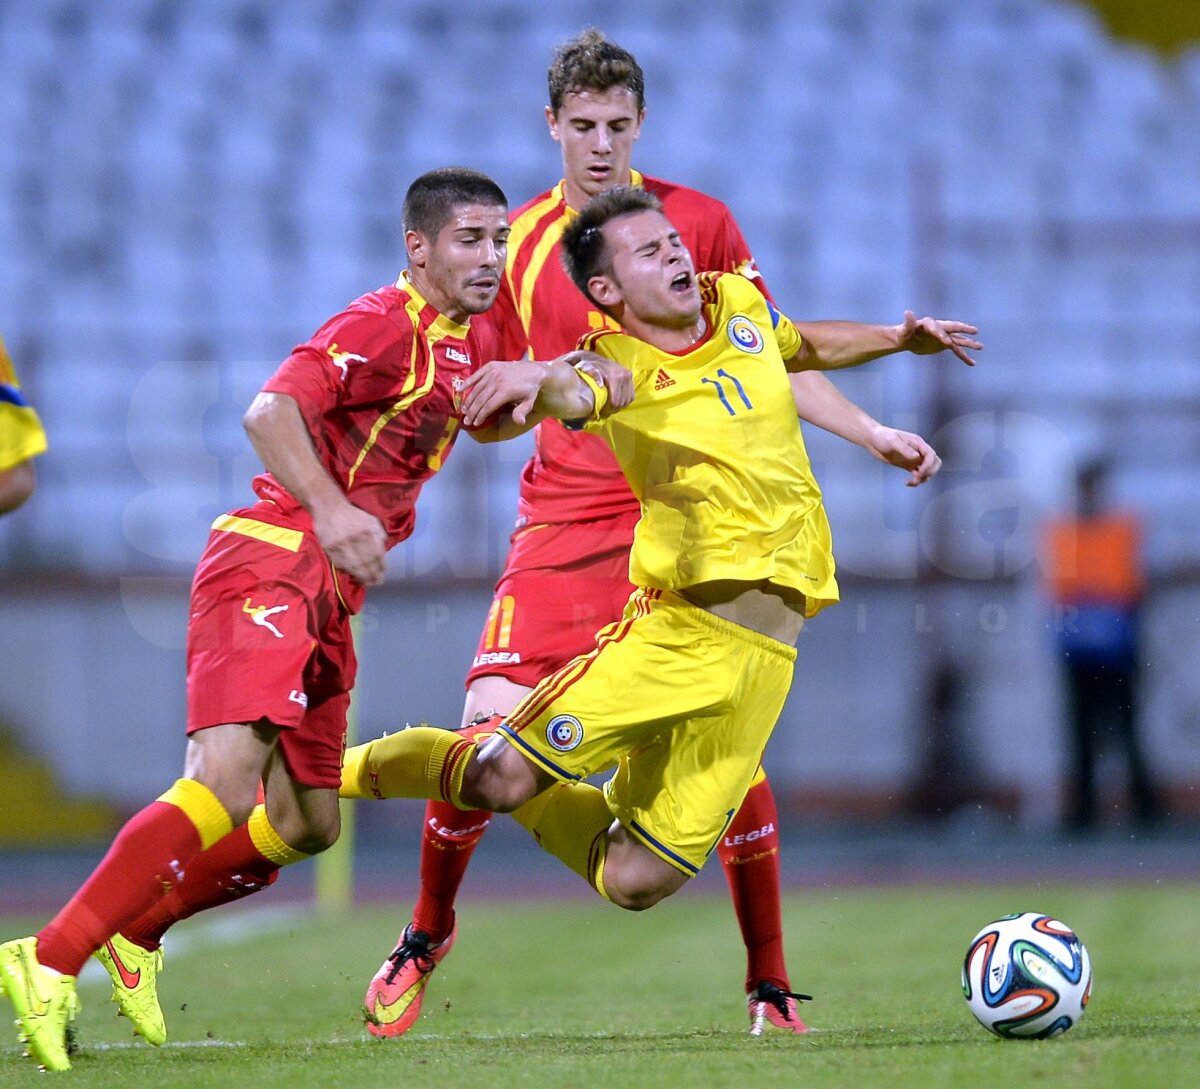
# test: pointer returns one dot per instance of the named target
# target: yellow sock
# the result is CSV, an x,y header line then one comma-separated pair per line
x,y
268,842
202,807
420,762
571,822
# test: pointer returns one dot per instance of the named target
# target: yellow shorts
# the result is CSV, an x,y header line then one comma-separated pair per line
x,y
680,702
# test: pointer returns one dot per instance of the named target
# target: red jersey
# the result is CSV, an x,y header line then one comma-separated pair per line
x,y
378,388
572,476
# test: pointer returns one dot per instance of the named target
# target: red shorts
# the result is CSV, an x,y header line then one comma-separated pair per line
x,y
268,638
561,584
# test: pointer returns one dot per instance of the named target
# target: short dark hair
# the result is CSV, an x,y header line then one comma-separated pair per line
x,y
585,252
430,201
593,63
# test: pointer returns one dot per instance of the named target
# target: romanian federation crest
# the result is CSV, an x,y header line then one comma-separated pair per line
x,y
744,334
564,732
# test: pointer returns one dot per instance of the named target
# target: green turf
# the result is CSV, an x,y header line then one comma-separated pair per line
x,y
577,993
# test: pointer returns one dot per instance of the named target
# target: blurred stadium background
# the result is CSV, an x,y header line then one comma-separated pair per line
x,y
187,190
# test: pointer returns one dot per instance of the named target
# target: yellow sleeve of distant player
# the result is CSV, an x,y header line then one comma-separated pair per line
x,y
21,434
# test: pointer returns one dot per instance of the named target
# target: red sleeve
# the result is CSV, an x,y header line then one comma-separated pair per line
x,y
499,331
725,250
339,364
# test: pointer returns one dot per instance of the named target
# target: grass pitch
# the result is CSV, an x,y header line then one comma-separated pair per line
x,y
577,993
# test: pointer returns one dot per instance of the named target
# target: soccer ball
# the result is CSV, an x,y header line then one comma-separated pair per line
x,y
1027,975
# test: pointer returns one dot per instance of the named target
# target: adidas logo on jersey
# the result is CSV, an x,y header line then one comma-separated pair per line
x,y
663,380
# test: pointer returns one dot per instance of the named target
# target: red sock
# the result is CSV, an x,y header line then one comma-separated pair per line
x,y
447,844
749,854
147,859
230,869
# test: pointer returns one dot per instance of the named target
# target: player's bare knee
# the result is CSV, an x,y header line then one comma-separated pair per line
x,y
492,788
633,899
636,879
310,830
238,798
634,893
229,760
312,841
498,778
310,837
239,808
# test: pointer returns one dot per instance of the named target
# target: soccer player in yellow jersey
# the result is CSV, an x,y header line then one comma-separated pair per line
x,y
566,571
731,555
21,439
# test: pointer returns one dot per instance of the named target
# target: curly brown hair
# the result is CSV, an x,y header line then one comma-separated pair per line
x,y
593,63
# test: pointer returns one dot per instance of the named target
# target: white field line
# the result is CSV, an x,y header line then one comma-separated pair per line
x,y
170,1045
365,1038
207,933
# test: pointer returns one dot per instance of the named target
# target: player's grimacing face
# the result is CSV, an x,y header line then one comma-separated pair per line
x,y
459,270
652,269
597,131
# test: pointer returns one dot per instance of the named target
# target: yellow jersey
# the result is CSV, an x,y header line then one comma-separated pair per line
x,y
711,447
21,434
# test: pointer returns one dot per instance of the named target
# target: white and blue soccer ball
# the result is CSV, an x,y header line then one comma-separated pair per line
x,y
1027,975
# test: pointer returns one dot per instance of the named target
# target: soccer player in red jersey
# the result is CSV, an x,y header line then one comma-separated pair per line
x,y
349,428
567,571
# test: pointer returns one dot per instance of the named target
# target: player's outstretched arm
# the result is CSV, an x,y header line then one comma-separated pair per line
x,y
354,540
833,345
575,386
821,403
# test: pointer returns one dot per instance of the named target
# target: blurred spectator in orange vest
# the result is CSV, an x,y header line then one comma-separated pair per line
x,y
1093,574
